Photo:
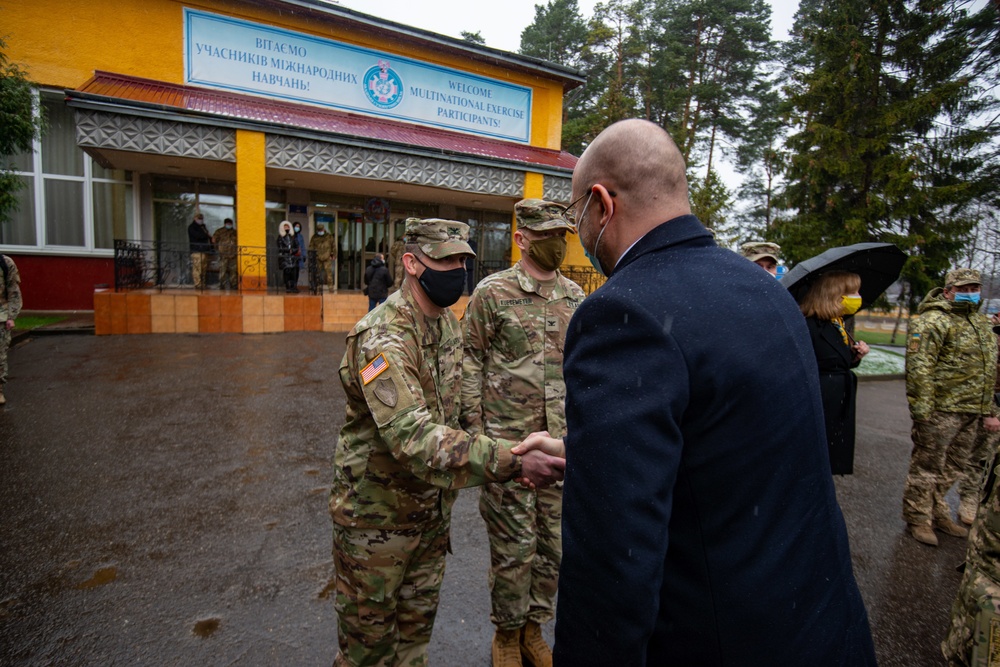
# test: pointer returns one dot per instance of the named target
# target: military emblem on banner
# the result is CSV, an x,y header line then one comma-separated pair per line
x,y
383,86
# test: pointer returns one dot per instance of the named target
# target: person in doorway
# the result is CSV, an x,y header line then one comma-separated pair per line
x,y
402,455
512,386
200,245
225,242
377,281
763,254
951,366
300,242
288,256
10,308
833,296
712,534
324,247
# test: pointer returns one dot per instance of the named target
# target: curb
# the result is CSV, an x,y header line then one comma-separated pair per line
x,y
878,378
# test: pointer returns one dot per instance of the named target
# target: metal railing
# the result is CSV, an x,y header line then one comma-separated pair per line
x,y
167,265
584,276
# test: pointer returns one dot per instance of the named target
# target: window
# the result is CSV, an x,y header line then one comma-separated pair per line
x,y
70,202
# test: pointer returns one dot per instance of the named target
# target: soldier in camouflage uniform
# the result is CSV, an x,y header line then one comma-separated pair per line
x,y
401,456
951,360
224,240
974,638
10,307
512,385
325,247
763,254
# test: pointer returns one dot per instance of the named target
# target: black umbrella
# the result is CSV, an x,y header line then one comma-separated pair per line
x,y
878,264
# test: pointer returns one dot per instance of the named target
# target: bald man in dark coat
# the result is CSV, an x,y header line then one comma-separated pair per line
x,y
700,524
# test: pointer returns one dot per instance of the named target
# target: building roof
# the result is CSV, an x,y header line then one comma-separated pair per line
x,y
119,92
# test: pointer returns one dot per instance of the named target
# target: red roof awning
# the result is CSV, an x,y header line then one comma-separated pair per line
x,y
120,89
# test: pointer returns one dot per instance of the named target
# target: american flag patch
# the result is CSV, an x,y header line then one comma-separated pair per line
x,y
374,369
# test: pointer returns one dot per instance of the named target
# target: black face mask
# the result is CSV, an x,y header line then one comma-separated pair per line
x,y
443,288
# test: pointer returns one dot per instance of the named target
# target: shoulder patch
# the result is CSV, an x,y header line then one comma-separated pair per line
x,y
914,344
375,367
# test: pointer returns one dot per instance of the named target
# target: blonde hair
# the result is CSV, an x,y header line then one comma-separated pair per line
x,y
822,301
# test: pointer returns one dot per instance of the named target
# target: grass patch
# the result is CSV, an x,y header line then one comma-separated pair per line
x,y
882,362
880,337
33,322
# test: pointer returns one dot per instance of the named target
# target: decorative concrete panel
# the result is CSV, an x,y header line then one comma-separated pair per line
x,y
331,158
558,189
100,129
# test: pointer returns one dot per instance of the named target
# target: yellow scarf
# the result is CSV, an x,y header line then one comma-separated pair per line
x,y
839,323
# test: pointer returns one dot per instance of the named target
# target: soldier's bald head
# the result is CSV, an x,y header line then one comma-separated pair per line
x,y
638,160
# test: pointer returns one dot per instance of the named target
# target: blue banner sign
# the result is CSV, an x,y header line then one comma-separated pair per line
x,y
228,53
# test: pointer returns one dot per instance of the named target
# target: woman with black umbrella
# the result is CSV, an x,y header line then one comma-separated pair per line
x,y
831,297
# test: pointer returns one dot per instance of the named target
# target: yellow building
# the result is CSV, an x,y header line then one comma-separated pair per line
x,y
261,111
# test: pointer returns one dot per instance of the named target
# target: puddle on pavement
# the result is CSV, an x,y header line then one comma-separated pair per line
x,y
103,576
206,627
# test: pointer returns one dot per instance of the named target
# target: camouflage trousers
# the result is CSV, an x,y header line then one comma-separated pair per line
x,y
942,447
4,347
324,267
971,481
388,584
525,531
974,635
228,277
199,267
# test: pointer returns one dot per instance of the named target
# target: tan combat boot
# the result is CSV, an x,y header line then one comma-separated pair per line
x,y
533,646
924,534
3,399
949,527
967,512
505,650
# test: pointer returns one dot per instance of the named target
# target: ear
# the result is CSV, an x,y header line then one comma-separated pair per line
x,y
410,263
520,241
607,202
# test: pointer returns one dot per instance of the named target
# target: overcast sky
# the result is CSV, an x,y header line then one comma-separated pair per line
x,y
500,23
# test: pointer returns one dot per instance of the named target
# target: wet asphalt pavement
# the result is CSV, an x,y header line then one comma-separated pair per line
x,y
164,503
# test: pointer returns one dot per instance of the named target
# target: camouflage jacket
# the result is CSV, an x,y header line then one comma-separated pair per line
x,y
325,246
515,330
225,242
951,359
401,453
10,297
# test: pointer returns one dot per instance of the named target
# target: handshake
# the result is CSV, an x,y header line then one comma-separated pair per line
x,y
543,460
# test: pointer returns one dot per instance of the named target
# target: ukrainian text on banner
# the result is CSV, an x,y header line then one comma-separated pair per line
x,y
233,54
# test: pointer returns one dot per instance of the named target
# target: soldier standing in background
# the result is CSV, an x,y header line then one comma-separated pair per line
x,y
763,254
951,358
401,456
225,242
986,443
200,245
10,307
325,248
512,385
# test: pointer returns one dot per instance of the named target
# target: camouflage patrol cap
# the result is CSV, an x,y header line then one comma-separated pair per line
x,y
438,238
963,276
759,250
539,215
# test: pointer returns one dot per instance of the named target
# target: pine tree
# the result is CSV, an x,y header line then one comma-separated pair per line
x,y
886,144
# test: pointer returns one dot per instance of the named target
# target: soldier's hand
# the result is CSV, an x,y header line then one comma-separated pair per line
x,y
539,470
541,441
991,424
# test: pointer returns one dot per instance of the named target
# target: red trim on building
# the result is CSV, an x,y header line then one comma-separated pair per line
x,y
118,88
51,282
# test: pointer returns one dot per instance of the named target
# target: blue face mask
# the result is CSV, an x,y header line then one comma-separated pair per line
x,y
967,297
596,263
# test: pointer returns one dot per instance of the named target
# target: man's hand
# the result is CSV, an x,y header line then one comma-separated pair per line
x,y
541,440
539,470
10,324
991,424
